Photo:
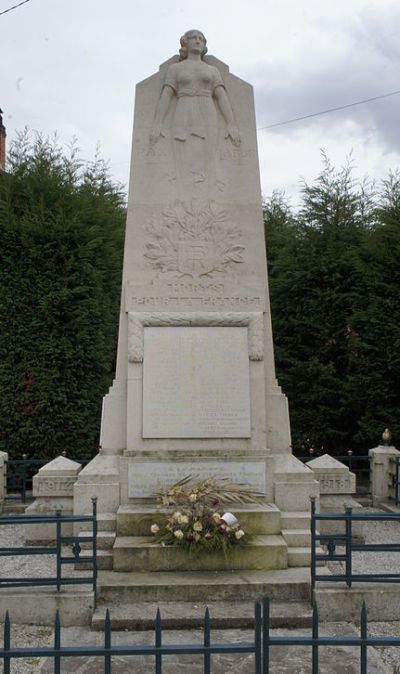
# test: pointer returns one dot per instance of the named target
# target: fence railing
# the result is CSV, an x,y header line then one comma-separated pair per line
x,y
395,486
261,644
58,549
344,539
19,474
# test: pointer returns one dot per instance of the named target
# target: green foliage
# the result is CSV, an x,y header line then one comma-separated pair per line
x,y
334,279
61,242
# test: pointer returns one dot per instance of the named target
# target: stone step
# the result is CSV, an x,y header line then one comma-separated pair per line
x,y
300,519
136,553
105,540
105,522
104,560
301,556
296,538
191,586
136,520
189,615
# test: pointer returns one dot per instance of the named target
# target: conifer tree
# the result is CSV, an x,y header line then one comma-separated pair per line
x,y
61,241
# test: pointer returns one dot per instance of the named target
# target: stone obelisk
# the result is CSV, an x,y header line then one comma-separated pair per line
x,y
195,389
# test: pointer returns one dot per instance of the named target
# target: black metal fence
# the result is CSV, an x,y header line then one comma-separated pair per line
x,y
345,540
395,462
58,549
261,645
19,476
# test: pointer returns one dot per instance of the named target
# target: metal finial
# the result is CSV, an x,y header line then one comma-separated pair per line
x,y
386,437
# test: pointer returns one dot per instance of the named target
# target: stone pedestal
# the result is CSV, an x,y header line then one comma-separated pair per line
x,y
337,484
382,472
53,490
3,479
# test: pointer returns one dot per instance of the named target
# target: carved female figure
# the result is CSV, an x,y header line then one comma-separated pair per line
x,y
198,91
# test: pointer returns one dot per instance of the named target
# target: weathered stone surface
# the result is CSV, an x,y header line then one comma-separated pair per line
x,y
53,487
195,390
381,458
333,476
145,478
135,553
190,389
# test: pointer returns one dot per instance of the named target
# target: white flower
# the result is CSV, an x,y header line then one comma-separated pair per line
x,y
177,515
197,537
197,526
239,533
154,529
193,498
216,517
183,519
178,534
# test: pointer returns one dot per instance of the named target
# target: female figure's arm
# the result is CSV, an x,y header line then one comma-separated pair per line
x,y
227,113
161,112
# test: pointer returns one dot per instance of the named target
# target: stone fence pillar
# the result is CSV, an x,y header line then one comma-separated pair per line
x,y
337,485
3,479
382,469
53,487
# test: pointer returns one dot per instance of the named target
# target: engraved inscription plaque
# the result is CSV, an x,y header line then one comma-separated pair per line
x,y
147,477
196,382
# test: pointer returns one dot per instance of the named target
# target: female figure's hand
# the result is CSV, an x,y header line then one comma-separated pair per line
x,y
155,134
233,133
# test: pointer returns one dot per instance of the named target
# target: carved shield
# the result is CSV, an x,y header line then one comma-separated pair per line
x,y
196,257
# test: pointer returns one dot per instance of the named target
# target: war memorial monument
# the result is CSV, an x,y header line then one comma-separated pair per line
x,y
195,391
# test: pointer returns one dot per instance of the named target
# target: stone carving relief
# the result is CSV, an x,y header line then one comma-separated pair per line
x,y
194,240
192,99
55,486
138,321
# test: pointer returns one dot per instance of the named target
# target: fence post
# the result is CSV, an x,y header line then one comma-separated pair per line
x,y
363,634
207,657
58,547
7,643
107,643
349,544
313,499
315,631
266,617
3,479
94,535
158,632
24,475
57,643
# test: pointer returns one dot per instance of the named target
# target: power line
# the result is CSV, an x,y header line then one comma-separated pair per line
x,y
325,112
14,7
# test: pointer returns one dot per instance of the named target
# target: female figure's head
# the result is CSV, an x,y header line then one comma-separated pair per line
x,y
192,39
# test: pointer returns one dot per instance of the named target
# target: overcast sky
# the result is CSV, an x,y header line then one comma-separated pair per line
x,y
71,66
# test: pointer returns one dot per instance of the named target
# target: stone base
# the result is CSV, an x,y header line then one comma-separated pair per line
x,y
330,503
45,534
38,606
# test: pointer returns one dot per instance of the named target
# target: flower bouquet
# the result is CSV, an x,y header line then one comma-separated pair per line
x,y
192,514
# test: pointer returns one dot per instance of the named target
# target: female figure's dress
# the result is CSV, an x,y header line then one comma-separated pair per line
x,y
194,124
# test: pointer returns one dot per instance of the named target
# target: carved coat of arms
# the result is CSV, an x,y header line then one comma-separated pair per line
x,y
194,240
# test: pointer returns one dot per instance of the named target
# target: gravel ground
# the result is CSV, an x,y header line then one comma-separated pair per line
x,y
374,562
25,566
44,565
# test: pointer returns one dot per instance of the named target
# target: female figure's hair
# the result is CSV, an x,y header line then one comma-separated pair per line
x,y
183,49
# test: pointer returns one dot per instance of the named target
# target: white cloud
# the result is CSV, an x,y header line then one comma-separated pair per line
x,y
72,67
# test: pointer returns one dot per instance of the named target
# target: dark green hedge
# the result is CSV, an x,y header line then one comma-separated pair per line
x,y
61,242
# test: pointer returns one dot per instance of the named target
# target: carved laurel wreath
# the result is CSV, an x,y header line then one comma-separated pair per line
x,y
193,240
